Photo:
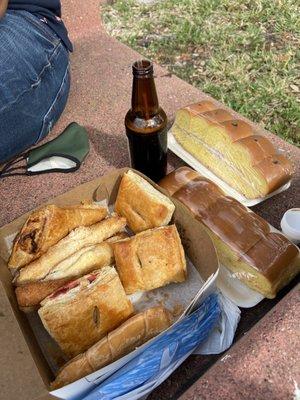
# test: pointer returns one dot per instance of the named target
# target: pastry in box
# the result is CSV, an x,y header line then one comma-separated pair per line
x,y
32,292
126,338
150,259
141,204
85,310
46,226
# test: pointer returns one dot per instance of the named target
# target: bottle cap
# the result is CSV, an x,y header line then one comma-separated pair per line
x,y
142,67
290,224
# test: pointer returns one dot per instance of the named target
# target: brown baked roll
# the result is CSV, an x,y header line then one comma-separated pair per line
x,y
82,312
45,227
263,260
78,239
142,205
87,259
136,331
150,259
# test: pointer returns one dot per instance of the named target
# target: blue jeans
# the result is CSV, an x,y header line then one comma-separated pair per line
x,y
34,81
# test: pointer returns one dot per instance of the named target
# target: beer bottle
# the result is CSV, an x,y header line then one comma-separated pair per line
x,y
146,124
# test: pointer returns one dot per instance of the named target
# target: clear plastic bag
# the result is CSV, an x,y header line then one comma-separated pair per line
x,y
222,335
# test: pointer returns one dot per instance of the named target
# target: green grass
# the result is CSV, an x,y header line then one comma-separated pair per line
x,y
244,53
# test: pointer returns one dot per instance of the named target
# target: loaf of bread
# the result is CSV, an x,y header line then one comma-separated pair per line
x,y
264,260
231,149
134,332
150,259
142,205
82,312
46,226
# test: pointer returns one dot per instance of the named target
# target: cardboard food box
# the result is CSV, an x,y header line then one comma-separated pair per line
x,y
29,356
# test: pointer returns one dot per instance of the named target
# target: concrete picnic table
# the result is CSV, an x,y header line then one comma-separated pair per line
x,y
263,363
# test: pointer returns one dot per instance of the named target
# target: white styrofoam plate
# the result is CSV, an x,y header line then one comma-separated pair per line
x,y
239,293
194,163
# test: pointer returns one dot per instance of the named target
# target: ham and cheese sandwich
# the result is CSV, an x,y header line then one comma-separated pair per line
x,y
83,311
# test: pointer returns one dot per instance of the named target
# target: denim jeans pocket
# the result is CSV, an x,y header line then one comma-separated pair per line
x,y
56,108
42,27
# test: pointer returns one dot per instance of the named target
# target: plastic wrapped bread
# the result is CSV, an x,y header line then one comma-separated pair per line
x,y
264,260
231,149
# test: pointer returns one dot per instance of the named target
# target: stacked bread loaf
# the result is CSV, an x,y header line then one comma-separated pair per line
x,y
264,260
231,149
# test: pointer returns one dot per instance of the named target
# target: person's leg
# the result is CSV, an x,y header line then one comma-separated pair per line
x,y
34,81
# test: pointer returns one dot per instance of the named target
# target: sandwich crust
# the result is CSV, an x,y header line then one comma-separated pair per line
x,y
30,295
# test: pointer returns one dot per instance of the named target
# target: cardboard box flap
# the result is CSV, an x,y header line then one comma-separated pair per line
x,y
20,378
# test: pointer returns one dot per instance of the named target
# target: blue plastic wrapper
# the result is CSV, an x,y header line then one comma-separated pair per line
x,y
158,361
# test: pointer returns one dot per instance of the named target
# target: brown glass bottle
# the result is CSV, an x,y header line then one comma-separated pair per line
x,y
146,124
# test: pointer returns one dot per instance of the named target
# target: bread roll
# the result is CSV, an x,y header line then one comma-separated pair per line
x,y
231,149
78,239
136,331
85,310
141,204
150,259
45,227
263,260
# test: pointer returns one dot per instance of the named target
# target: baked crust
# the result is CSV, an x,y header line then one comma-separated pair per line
x,y
141,204
82,262
150,259
173,182
82,312
45,227
31,294
136,331
78,239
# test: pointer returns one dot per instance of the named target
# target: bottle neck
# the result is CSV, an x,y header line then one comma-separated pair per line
x,y
144,102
